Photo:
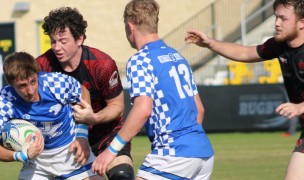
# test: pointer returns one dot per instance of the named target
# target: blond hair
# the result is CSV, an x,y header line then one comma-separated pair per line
x,y
143,13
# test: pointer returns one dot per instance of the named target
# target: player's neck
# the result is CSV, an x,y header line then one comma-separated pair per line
x,y
145,39
298,41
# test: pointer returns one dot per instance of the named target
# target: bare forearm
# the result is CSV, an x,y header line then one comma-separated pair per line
x,y
200,109
85,94
137,117
132,125
234,51
112,111
301,107
109,113
6,155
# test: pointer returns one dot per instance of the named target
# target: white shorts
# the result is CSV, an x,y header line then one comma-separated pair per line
x,y
56,164
157,167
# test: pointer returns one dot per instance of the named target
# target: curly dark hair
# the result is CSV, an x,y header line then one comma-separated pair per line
x,y
65,17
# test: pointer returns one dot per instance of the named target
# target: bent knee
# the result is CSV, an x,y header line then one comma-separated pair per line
x,y
121,172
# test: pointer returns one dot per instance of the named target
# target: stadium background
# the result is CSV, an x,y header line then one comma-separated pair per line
x,y
237,97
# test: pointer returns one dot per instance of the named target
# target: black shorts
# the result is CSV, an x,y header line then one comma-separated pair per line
x,y
105,142
300,144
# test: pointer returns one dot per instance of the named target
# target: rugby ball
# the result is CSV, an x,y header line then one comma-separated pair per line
x,y
14,133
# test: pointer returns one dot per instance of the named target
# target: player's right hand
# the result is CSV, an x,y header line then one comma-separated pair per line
x,y
81,148
198,38
102,161
84,113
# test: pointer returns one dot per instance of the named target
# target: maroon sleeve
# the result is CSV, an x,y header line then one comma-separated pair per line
x,y
107,73
270,49
44,61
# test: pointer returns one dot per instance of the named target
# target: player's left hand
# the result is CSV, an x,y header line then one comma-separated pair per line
x,y
102,161
84,113
81,148
289,110
34,146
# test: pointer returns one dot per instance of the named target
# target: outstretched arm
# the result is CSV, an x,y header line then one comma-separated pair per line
x,y
231,51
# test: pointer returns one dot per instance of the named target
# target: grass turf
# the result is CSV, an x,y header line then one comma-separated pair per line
x,y
238,156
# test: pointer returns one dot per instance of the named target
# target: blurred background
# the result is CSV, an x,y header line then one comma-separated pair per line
x,y
236,96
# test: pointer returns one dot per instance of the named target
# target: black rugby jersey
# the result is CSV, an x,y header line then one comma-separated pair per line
x,y
292,66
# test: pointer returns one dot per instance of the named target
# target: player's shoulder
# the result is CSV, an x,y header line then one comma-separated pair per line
x,y
5,91
48,55
91,53
53,76
57,80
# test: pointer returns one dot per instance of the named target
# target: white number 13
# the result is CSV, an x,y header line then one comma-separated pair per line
x,y
182,70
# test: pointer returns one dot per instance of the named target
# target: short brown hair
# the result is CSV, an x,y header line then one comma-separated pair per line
x,y
298,6
19,65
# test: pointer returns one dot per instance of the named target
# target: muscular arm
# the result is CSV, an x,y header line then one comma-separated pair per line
x,y
113,110
85,94
138,115
231,51
235,52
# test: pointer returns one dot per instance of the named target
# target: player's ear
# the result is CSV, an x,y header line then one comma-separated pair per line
x,y
79,41
131,26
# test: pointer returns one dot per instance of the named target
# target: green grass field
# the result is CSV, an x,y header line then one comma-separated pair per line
x,y
238,156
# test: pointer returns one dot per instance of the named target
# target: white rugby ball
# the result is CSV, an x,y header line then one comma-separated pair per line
x,y
14,133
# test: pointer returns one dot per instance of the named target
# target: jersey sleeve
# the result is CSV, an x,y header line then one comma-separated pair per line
x,y
6,109
44,61
65,88
140,77
108,79
270,49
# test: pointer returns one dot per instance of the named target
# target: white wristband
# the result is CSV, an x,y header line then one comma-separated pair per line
x,y
116,145
22,155
82,131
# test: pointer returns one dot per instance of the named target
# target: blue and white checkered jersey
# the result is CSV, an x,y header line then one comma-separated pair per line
x,y
160,72
53,114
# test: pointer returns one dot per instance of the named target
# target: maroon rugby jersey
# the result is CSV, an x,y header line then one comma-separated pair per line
x,y
292,67
98,72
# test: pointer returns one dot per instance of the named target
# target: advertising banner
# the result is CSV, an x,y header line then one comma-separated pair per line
x,y
243,107
239,107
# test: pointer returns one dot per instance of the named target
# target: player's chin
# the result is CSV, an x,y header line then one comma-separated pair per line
x,y
279,37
